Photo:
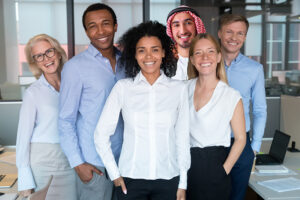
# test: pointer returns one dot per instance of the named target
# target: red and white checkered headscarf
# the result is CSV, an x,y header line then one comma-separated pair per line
x,y
200,28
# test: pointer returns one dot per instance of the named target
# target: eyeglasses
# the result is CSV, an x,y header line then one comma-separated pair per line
x,y
40,57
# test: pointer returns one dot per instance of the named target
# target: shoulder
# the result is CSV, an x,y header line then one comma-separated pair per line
x,y
190,83
32,90
251,63
229,91
123,83
177,84
77,60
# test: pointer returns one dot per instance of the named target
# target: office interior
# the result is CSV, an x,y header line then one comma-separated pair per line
x,y
273,39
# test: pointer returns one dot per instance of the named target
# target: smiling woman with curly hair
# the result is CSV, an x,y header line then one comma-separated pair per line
x,y
155,154
131,38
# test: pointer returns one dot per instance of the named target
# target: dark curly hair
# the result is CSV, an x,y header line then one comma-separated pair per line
x,y
130,39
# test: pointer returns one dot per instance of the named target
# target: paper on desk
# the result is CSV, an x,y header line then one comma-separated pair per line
x,y
290,173
281,184
8,157
271,169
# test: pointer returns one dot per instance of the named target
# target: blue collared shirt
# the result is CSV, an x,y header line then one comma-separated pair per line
x,y
87,80
247,76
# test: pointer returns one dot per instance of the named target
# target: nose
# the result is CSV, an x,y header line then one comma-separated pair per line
x,y
234,36
204,55
148,54
100,29
182,29
46,58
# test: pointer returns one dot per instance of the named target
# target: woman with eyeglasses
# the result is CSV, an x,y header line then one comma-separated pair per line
x,y
39,154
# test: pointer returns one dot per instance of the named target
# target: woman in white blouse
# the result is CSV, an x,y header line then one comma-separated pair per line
x,y
39,154
216,110
155,154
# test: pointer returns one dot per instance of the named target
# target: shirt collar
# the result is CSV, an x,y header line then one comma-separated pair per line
x,y
44,81
236,60
162,79
96,52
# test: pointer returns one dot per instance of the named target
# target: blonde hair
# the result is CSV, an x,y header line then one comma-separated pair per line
x,y
36,71
192,71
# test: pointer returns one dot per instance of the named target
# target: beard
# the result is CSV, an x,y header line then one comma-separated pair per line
x,y
184,45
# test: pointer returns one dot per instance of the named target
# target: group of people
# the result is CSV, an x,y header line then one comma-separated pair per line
x,y
166,118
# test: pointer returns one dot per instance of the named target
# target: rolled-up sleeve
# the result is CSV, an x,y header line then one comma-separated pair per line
x,y
25,130
183,138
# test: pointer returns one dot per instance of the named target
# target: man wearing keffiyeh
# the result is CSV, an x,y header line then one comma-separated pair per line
x,y
183,24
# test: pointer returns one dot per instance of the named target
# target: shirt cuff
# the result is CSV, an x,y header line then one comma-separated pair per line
x,y
25,179
113,171
256,145
75,160
183,180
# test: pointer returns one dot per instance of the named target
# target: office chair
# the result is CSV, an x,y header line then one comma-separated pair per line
x,y
41,194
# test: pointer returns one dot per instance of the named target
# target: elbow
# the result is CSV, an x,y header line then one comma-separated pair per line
x,y
241,139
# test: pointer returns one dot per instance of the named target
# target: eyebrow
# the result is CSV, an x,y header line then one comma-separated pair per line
x,y
92,22
185,20
142,47
205,49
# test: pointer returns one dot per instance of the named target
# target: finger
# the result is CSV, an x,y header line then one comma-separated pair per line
x,y
123,186
97,171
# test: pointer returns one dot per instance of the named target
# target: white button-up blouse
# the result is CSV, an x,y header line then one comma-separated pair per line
x,y
156,129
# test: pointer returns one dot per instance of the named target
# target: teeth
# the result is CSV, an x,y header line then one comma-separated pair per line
x,y
183,37
149,63
49,64
103,39
205,65
231,43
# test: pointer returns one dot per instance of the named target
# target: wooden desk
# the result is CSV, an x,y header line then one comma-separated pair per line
x,y
292,161
9,169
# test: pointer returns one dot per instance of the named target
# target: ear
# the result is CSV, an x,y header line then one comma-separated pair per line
x,y
219,34
115,27
163,53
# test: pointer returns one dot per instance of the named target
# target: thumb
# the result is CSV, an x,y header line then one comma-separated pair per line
x,y
123,186
94,169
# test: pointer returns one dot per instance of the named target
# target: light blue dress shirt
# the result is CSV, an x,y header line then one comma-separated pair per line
x,y
87,80
247,76
37,124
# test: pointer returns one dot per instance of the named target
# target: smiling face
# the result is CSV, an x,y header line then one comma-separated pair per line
x,y
100,29
232,37
205,57
149,54
183,29
48,65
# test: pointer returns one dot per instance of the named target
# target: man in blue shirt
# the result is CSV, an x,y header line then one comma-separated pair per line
x,y
87,80
246,76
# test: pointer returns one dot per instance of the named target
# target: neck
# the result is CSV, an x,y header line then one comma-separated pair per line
x,y
111,56
207,81
54,80
184,52
108,53
151,78
229,57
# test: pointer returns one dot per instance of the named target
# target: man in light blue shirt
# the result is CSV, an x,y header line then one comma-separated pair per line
x,y
246,76
87,80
